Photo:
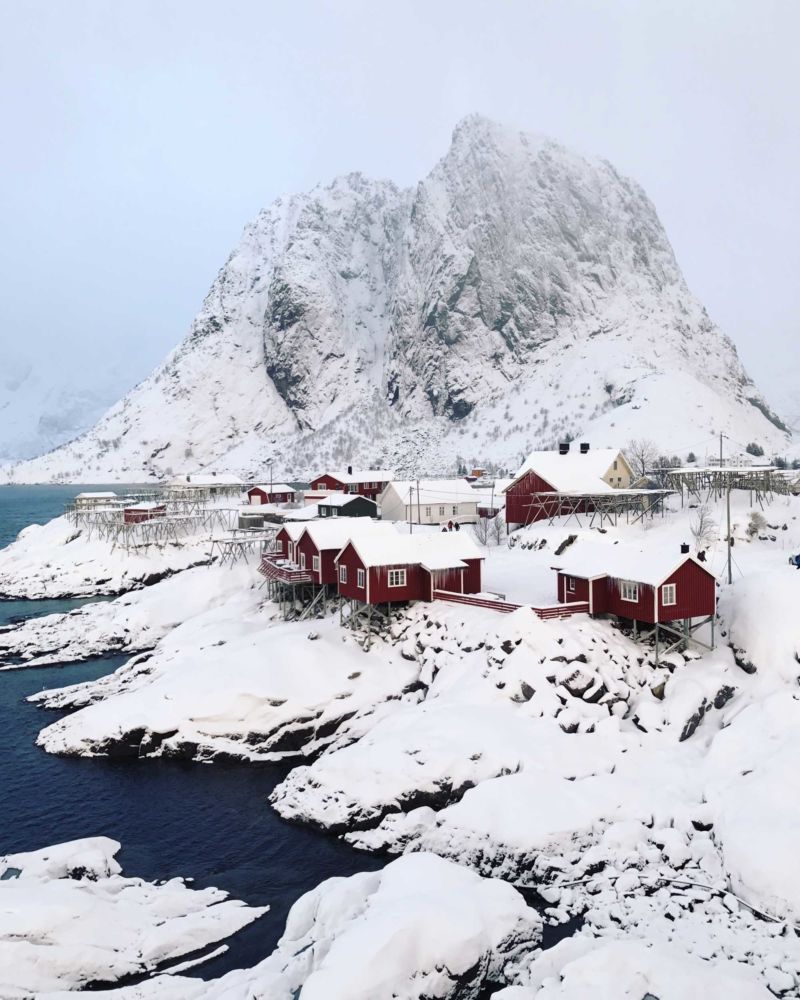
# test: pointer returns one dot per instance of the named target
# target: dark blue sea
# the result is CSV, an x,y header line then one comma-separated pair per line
x,y
209,822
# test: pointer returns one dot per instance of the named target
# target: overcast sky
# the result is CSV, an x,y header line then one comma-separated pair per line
x,y
139,137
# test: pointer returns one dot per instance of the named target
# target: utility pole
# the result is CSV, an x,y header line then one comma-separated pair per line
x,y
419,510
720,449
410,503
730,576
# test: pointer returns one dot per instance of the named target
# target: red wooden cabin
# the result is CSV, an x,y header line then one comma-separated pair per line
x,y
286,538
272,493
651,587
321,541
137,513
365,482
379,569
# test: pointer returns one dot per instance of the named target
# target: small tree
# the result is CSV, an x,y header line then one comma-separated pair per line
x,y
641,453
481,529
498,528
691,457
754,449
703,527
756,523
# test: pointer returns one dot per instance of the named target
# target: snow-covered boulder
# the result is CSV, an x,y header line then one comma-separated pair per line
x,y
69,919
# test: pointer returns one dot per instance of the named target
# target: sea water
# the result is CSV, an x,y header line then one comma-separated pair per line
x,y
210,822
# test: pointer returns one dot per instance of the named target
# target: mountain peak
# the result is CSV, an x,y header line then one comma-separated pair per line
x,y
518,294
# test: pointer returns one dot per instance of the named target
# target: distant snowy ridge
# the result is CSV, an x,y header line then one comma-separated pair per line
x,y
518,294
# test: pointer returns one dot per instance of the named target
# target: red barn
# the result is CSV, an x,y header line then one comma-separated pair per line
x,y
137,513
272,493
365,482
655,586
578,470
381,569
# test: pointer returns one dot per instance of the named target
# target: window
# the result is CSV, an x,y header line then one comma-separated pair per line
x,y
455,509
361,579
669,594
427,512
302,560
441,512
571,584
615,465
321,486
323,511
335,511
397,578
353,488
315,563
342,574
629,591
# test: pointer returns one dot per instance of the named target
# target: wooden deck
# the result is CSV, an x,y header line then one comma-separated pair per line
x,y
506,607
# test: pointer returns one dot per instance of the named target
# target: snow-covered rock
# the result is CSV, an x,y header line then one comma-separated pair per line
x,y
131,623
421,927
229,683
620,970
68,919
518,293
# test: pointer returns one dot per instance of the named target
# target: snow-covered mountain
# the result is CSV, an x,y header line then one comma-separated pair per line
x,y
519,293
42,406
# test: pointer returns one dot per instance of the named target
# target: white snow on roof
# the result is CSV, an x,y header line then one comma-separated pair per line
x,y
307,513
273,487
147,505
340,499
441,549
95,496
443,561
294,529
335,534
360,476
436,491
573,472
650,564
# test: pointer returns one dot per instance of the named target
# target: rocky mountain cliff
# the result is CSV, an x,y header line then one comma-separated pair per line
x,y
519,294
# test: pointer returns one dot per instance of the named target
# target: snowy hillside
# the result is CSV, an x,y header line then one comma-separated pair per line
x,y
520,293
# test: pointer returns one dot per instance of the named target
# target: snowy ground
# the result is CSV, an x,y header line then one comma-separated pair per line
x,y
653,805
68,919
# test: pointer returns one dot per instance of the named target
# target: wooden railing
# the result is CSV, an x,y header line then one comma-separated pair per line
x,y
550,611
284,572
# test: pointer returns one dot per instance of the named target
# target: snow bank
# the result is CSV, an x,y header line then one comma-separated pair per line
x,y
634,969
59,560
129,624
68,918
761,610
753,766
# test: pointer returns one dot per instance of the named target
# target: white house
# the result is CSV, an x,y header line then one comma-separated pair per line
x,y
429,501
